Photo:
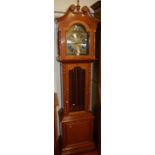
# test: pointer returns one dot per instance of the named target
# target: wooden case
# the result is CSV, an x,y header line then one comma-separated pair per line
x,y
77,120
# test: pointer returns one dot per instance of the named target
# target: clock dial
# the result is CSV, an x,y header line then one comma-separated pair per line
x,y
77,40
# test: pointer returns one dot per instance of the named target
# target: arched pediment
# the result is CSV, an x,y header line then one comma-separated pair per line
x,y
74,15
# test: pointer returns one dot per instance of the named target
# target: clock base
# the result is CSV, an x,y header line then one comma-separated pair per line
x,y
77,149
77,133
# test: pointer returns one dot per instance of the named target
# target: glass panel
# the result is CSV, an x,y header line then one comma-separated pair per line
x,y
76,89
77,40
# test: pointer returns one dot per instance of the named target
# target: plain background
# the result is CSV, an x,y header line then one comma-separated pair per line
x,y
27,83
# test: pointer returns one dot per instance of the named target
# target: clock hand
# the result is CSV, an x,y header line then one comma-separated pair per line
x,y
77,50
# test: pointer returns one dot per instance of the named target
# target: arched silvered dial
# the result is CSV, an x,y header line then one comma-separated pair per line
x,y
77,41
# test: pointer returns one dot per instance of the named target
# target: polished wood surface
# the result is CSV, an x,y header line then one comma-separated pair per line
x,y
79,128
77,121
78,133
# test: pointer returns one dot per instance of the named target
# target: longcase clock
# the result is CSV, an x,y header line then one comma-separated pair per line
x,y
76,52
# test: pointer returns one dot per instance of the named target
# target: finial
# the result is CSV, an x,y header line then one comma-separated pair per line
x,y
78,1
78,6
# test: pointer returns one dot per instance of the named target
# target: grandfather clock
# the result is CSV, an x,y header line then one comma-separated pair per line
x,y
76,52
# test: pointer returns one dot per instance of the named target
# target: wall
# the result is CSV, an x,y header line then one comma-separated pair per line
x,y
62,5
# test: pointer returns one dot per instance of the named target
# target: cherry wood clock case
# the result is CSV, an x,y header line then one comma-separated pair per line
x,y
76,52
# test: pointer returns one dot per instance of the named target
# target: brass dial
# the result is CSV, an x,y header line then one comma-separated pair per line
x,y
77,41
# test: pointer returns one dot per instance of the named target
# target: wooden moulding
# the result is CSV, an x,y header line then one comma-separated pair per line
x,y
73,11
73,116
